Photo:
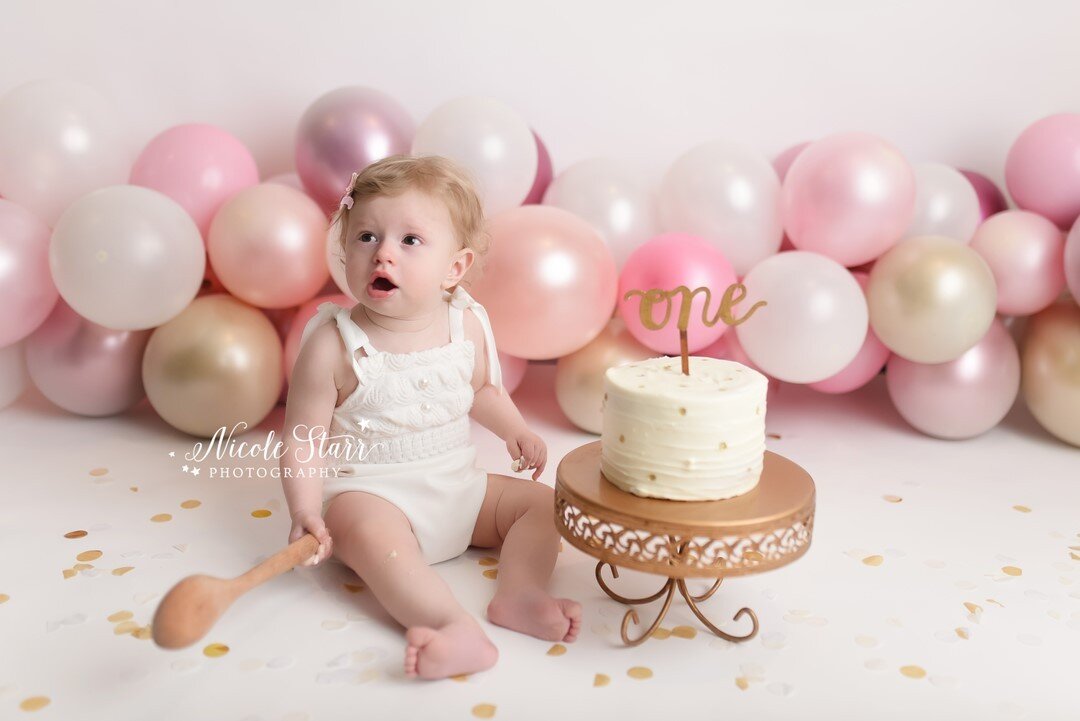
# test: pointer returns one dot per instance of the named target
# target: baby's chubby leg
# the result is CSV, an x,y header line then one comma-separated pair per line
x,y
374,538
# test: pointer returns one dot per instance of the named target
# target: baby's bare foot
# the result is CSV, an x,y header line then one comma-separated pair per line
x,y
536,613
458,647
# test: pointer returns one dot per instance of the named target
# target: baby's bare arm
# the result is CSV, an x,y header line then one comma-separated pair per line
x,y
309,409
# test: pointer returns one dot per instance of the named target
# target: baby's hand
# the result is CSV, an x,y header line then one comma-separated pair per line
x,y
528,451
303,523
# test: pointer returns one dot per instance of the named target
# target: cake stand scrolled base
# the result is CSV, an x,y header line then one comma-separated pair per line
x,y
669,589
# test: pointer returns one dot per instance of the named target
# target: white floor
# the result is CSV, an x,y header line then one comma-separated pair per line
x,y
836,631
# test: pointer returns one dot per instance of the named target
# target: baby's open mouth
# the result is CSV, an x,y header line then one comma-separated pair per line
x,y
383,284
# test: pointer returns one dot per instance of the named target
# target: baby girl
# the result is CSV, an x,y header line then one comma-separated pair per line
x,y
399,375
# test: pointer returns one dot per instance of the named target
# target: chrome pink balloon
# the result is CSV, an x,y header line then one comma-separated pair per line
x,y
1042,169
868,362
200,166
961,398
782,163
300,319
1025,252
991,199
27,291
544,174
1072,261
666,262
86,368
849,196
548,282
513,371
343,132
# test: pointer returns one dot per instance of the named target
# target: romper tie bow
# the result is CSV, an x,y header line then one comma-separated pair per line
x,y
461,299
349,331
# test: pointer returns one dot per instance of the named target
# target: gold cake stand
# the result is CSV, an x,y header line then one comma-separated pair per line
x,y
757,531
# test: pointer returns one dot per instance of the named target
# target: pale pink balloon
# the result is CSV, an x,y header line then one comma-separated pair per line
x,y
544,175
86,368
200,166
292,180
27,291
513,371
548,282
782,163
991,199
849,196
868,362
961,398
267,245
1042,169
282,318
666,262
1072,261
300,319
1025,252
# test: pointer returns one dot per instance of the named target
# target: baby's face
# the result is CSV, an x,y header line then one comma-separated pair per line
x,y
410,238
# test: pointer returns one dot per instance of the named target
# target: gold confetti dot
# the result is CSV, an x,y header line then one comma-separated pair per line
x,y
640,672
661,633
460,678
98,471
491,573
260,513
601,679
68,573
723,445
484,710
996,603
122,570
652,476
74,534
134,489
161,517
489,561
742,683
556,650
963,633
684,632
125,627
1022,509
4,597
913,671
191,503
121,616
88,556
682,411
34,703
82,566
214,650
622,438
892,499
873,560
143,632
1074,556
1011,570
972,607
775,436
353,587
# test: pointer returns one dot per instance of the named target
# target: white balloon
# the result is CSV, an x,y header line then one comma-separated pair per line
x,y
610,196
815,321
59,140
945,203
13,373
491,141
728,194
127,257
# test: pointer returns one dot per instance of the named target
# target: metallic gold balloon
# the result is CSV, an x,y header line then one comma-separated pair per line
x,y
217,363
579,376
931,299
1051,369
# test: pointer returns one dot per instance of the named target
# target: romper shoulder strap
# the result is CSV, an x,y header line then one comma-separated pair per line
x,y
460,300
352,335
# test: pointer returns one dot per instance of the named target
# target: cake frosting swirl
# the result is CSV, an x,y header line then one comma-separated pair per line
x,y
683,437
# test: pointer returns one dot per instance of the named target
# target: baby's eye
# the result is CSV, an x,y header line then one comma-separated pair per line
x,y
418,241
363,237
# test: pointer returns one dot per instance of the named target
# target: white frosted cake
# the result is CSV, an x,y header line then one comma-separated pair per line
x,y
696,437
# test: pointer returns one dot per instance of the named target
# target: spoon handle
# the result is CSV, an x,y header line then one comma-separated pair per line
x,y
284,560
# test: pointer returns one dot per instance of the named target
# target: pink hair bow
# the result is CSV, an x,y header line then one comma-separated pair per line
x,y
347,199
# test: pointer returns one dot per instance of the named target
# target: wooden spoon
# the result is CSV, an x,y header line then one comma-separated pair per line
x,y
195,603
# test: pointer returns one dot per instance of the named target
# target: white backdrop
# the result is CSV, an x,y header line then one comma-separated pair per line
x,y
953,81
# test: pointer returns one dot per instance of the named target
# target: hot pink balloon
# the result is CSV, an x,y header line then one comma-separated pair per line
x,y
544,175
1042,169
343,132
666,262
86,368
199,166
849,196
27,291
961,398
782,163
1025,252
869,361
991,199
513,371
300,319
1072,261
548,282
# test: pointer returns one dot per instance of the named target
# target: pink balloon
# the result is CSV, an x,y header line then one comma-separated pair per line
x,y
782,163
548,282
27,291
991,199
343,132
1042,169
961,398
666,262
849,196
1025,253
513,371
300,319
544,175
869,361
86,368
1072,262
199,166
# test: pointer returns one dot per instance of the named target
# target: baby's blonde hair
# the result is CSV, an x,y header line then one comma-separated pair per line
x,y
436,175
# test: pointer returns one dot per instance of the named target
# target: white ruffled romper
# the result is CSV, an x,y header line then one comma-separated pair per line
x,y
411,410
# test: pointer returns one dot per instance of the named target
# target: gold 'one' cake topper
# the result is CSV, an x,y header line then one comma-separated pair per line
x,y
727,303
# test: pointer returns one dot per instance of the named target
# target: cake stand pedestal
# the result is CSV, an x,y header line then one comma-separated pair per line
x,y
757,531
